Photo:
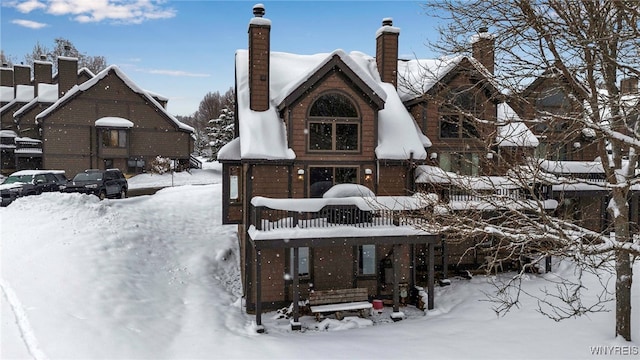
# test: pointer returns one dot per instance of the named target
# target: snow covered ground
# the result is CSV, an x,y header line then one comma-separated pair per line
x,y
155,277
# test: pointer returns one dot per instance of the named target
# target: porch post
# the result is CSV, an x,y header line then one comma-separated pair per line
x,y
260,327
430,276
445,259
295,324
396,288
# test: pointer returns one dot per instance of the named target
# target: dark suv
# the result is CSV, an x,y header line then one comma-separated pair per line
x,y
109,183
31,182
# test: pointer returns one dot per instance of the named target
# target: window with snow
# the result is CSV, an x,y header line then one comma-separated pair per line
x,y
114,138
333,124
322,178
458,113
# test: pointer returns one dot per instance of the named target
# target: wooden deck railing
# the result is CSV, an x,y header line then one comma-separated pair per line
x,y
264,218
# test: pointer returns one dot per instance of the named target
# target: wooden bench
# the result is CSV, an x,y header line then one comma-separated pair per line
x,y
337,301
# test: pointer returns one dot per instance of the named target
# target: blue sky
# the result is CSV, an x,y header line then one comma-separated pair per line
x,y
183,49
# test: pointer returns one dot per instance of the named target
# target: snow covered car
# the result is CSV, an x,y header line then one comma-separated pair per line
x,y
31,182
109,183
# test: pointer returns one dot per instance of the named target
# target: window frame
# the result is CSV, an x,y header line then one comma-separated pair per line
x,y
335,121
301,276
451,113
107,138
459,159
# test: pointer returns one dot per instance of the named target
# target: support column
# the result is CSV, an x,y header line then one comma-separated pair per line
x,y
295,323
259,326
431,276
397,315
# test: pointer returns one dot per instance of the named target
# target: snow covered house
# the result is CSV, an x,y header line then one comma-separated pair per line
x,y
308,125
568,154
75,120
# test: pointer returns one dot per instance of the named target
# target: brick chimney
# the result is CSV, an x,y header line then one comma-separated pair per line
x,y
387,51
6,76
629,86
67,74
21,76
41,73
259,50
482,45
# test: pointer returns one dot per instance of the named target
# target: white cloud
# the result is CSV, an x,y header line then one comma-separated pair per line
x,y
86,11
29,24
25,6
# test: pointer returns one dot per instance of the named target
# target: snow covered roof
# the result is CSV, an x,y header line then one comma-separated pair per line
x,y
417,76
47,93
77,89
572,167
114,122
263,133
230,151
6,93
393,203
512,132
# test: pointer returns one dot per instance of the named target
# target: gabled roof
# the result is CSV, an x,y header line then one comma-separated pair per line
x,y
418,77
79,89
344,63
263,133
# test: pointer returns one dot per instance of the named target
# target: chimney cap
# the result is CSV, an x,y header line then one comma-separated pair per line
x,y
43,57
258,10
483,29
387,21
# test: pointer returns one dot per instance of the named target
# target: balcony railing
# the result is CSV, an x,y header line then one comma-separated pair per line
x,y
270,214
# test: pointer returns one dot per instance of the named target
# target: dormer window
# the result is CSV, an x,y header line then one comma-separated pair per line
x,y
333,124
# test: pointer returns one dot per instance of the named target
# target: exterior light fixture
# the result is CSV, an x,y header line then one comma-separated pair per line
x,y
367,174
433,156
300,174
489,155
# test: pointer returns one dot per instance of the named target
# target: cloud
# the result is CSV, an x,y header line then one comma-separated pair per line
x,y
29,24
93,11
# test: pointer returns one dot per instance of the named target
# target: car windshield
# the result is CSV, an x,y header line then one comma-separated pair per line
x,y
91,176
18,179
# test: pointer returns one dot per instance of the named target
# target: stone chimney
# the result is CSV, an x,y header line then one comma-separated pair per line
x,y
482,45
387,51
41,73
21,76
67,74
259,51
629,86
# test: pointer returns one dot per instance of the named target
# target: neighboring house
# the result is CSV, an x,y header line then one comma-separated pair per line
x,y
306,123
569,153
75,120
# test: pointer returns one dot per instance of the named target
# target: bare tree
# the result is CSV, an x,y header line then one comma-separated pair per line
x,y
64,47
589,46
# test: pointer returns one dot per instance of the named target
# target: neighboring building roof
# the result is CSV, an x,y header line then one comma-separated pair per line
x,y
512,132
47,93
263,134
76,90
417,77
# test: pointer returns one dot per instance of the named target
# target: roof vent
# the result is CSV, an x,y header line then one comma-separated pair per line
x,y
258,10
387,22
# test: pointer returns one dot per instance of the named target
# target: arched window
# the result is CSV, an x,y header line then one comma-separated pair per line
x,y
333,124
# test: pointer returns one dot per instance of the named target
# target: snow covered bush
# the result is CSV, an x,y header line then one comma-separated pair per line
x,y
160,165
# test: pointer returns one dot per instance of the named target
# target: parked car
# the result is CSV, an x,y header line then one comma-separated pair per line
x,y
31,182
109,183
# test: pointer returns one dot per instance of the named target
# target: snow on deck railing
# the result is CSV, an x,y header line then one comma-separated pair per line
x,y
269,214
